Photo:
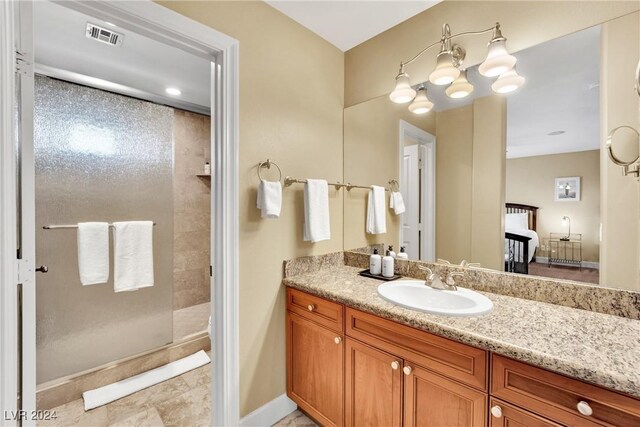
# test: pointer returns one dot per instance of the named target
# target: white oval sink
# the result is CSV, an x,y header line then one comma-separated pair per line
x,y
416,295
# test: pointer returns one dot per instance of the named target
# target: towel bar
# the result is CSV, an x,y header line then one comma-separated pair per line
x,y
59,227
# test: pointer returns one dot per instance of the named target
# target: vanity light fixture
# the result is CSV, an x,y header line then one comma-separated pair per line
x,y
508,82
460,87
403,92
448,69
173,91
421,104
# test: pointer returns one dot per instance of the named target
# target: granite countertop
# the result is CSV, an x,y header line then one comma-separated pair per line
x,y
598,348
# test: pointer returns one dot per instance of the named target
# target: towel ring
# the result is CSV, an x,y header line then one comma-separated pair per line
x,y
267,165
394,185
625,165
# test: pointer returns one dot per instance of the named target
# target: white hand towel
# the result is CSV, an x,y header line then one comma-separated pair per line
x,y
396,202
93,252
316,211
376,212
270,198
133,259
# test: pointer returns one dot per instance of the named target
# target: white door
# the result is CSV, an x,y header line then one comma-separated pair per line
x,y
410,189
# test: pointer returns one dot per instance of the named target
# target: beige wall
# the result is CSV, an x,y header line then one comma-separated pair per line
x,y
620,105
470,167
191,209
454,181
291,104
371,156
371,66
531,181
487,203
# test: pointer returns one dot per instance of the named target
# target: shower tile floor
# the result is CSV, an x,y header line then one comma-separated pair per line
x,y
190,320
183,401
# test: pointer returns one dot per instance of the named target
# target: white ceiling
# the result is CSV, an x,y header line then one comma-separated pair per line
x,y
561,93
140,67
346,24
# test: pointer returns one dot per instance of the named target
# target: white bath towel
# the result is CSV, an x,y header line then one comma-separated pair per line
x,y
133,259
396,202
270,198
316,210
93,252
376,211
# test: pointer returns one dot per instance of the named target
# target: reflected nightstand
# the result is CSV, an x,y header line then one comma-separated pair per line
x,y
565,250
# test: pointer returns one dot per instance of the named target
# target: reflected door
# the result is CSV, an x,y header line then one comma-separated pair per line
x,y
410,189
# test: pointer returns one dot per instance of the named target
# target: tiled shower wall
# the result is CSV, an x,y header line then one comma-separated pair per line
x,y
192,209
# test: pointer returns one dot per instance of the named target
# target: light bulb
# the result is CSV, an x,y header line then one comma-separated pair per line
x,y
445,71
460,87
508,82
498,59
421,104
403,92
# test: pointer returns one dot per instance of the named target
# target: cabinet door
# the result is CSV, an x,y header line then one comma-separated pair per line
x,y
373,387
434,401
315,375
503,414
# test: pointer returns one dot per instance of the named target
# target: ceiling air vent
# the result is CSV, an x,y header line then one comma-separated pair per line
x,y
103,35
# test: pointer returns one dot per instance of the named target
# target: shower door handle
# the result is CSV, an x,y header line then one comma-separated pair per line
x,y
42,269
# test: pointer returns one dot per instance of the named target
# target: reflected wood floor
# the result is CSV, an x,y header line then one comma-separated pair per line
x,y
588,275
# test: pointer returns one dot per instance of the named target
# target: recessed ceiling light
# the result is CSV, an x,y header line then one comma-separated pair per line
x,y
556,132
173,91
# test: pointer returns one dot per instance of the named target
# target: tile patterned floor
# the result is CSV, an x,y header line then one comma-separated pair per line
x,y
295,419
181,401
190,320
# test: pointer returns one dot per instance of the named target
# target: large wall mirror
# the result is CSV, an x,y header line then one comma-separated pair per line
x,y
520,182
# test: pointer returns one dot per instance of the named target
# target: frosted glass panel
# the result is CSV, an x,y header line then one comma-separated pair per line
x,y
99,157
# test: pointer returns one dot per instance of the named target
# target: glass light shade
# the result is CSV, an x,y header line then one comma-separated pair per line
x,y
403,92
445,71
498,59
508,82
421,104
460,87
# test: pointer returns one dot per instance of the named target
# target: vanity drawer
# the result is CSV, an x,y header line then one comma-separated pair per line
x,y
450,358
556,397
319,310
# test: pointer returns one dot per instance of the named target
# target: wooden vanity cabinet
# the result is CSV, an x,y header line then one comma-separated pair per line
x,y
347,367
315,361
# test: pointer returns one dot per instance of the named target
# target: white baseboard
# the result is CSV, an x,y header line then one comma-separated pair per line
x,y
270,413
585,264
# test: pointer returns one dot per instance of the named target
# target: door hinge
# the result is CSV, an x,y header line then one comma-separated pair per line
x,y
23,65
419,226
210,271
23,271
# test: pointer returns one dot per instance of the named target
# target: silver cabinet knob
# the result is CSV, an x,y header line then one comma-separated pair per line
x,y
584,408
42,269
311,307
395,365
496,411
337,340
407,370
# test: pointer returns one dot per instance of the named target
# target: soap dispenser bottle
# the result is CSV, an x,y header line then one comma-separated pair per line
x,y
375,263
387,265
391,252
402,254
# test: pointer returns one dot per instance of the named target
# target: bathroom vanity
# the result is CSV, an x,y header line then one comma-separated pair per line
x,y
354,359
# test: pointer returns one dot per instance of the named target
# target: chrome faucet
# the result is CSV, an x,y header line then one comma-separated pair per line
x,y
435,281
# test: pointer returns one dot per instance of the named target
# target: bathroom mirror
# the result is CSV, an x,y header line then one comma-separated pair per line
x,y
519,182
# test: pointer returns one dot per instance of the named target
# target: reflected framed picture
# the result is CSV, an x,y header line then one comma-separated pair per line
x,y
567,189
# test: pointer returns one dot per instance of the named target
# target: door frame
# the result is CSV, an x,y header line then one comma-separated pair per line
x,y
153,20
428,195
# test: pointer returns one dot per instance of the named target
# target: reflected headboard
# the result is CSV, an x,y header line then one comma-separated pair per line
x,y
531,211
